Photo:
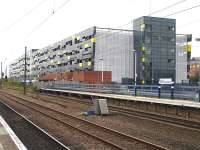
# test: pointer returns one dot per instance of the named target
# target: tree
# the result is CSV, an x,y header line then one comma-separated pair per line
x,y
194,75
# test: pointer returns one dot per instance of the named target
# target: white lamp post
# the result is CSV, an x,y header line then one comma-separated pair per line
x,y
101,59
135,66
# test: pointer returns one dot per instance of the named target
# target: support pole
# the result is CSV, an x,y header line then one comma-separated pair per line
x,y
135,70
1,71
135,89
159,91
101,59
25,71
172,92
1,81
6,69
102,70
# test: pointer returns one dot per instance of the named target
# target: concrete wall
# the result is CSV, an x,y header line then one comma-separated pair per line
x,y
182,61
114,47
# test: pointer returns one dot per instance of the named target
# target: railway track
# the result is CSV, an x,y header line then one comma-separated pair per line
x,y
28,131
129,112
116,139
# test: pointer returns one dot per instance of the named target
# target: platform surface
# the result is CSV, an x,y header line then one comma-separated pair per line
x,y
8,139
174,102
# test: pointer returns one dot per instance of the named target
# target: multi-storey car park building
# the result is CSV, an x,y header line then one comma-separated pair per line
x,y
97,49
17,67
155,43
91,50
183,56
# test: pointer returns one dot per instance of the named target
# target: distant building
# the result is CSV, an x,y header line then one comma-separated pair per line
x,y
194,62
155,42
17,67
183,56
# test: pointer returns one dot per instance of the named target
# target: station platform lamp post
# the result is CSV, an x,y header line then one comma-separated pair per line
x,y
25,70
135,69
101,59
1,76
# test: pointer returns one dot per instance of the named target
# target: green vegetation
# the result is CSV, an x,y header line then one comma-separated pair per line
x,y
194,77
17,85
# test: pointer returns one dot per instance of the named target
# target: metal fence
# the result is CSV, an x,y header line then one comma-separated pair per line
x,y
166,91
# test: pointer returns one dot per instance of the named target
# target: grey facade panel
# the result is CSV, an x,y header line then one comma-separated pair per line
x,y
183,56
114,47
70,54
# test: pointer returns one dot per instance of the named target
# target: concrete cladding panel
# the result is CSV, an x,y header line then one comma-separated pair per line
x,y
114,47
70,54
183,54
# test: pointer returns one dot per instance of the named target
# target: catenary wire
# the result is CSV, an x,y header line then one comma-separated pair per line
x,y
105,36
183,10
165,8
39,25
25,15
47,18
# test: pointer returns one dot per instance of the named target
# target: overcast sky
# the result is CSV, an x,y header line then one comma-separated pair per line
x,y
77,15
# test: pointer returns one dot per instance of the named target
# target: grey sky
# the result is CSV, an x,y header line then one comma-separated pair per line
x,y
78,15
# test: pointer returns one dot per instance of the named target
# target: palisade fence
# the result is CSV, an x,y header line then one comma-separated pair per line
x,y
166,91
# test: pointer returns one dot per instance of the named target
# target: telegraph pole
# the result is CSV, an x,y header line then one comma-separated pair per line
x,y
1,81
1,71
5,73
25,71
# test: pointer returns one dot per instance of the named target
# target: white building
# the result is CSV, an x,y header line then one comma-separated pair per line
x,y
17,67
183,55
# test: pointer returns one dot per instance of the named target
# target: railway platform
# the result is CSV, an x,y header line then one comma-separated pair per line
x,y
186,109
8,139
183,103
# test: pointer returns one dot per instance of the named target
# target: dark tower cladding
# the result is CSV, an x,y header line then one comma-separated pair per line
x,y
155,43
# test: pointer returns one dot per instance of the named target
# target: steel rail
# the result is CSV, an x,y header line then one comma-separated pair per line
x,y
85,121
67,124
33,124
194,125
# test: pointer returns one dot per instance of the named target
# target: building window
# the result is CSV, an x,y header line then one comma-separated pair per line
x,y
142,59
170,60
142,27
171,28
156,37
142,47
147,39
145,27
148,27
172,50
